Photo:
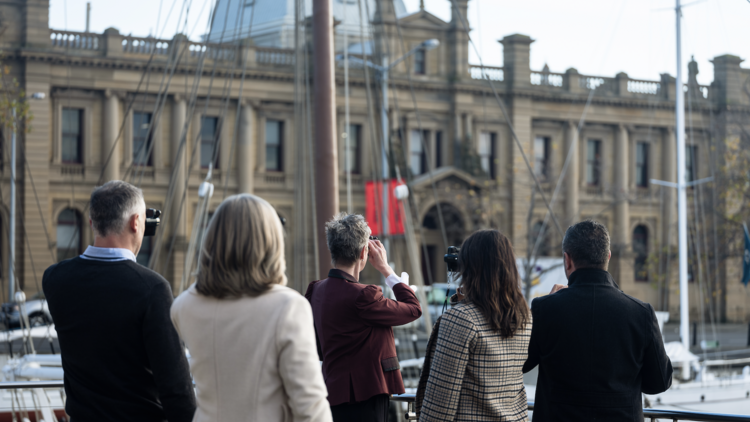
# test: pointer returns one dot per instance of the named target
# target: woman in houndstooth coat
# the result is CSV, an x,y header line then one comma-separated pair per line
x,y
472,369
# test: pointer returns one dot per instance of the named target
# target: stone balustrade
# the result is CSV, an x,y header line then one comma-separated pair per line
x,y
112,44
68,40
545,78
487,72
274,56
138,45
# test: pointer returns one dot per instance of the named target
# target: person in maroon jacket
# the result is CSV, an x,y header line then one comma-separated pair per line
x,y
353,323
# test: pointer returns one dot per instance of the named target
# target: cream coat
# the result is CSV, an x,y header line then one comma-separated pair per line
x,y
252,359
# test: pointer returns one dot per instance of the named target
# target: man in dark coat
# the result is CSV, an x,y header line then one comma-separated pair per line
x,y
353,323
597,348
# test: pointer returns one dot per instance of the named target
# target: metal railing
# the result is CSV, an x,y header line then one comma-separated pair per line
x,y
652,414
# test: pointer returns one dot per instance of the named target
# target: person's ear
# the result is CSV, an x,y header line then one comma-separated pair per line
x,y
91,224
363,253
567,262
133,223
609,256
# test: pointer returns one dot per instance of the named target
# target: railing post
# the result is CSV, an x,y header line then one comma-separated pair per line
x,y
622,84
179,42
668,86
112,43
247,56
572,80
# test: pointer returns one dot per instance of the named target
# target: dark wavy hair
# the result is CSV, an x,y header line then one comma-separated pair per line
x,y
490,280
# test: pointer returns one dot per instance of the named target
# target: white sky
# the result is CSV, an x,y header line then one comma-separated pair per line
x,y
596,37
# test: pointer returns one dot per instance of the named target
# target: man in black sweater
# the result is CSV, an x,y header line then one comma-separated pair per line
x,y
122,358
597,348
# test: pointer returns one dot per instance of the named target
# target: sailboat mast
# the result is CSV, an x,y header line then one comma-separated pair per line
x,y
326,161
682,197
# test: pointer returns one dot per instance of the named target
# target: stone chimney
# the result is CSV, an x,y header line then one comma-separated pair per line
x,y
516,58
729,80
458,40
35,23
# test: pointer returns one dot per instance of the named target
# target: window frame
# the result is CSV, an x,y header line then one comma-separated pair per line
x,y
639,237
641,166
79,135
78,224
213,141
354,149
490,156
148,141
595,163
279,146
421,140
438,148
420,61
542,172
691,163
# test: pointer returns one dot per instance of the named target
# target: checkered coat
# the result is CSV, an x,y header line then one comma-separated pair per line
x,y
470,372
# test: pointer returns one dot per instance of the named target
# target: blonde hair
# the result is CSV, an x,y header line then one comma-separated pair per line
x,y
243,249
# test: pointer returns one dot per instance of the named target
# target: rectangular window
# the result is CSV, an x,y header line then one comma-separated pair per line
x,y
209,126
72,135
438,149
641,165
420,61
354,135
142,139
417,154
593,162
691,163
274,145
487,153
541,157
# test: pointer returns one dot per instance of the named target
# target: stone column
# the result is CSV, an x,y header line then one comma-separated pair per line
x,y
111,151
521,116
177,215
246,150
669,174
668,213
571,174
622,207
469,130
177,224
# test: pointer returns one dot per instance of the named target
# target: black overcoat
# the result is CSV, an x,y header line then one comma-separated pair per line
x,y
597,349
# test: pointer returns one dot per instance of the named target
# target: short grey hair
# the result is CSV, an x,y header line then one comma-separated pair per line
x,y
111,206
346,235
587,244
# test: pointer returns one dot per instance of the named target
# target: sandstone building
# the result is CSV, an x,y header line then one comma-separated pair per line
x,y
103,91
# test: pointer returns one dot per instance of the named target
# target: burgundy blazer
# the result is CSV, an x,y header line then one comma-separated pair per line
x,y
353,324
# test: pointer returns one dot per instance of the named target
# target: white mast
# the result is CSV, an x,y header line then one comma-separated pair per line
x,y
681,198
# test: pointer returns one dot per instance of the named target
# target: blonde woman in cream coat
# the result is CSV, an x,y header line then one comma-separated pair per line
x,y
251,339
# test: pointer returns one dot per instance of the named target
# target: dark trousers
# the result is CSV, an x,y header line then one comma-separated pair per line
x,y
374,409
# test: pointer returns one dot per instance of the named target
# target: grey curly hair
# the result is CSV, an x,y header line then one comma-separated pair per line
x,y
346,235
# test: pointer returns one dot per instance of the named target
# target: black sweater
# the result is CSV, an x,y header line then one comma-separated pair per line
x,y
122,357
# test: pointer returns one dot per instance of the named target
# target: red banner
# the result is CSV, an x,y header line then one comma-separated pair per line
x,y
374,208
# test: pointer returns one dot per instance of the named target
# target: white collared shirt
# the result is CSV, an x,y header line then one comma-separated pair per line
x,y
108,254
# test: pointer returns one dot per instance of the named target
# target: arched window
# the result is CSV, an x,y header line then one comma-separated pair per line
x,y
536,233
640,249
68,234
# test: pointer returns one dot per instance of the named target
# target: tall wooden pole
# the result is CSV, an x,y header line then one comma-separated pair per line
x,y
326,161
